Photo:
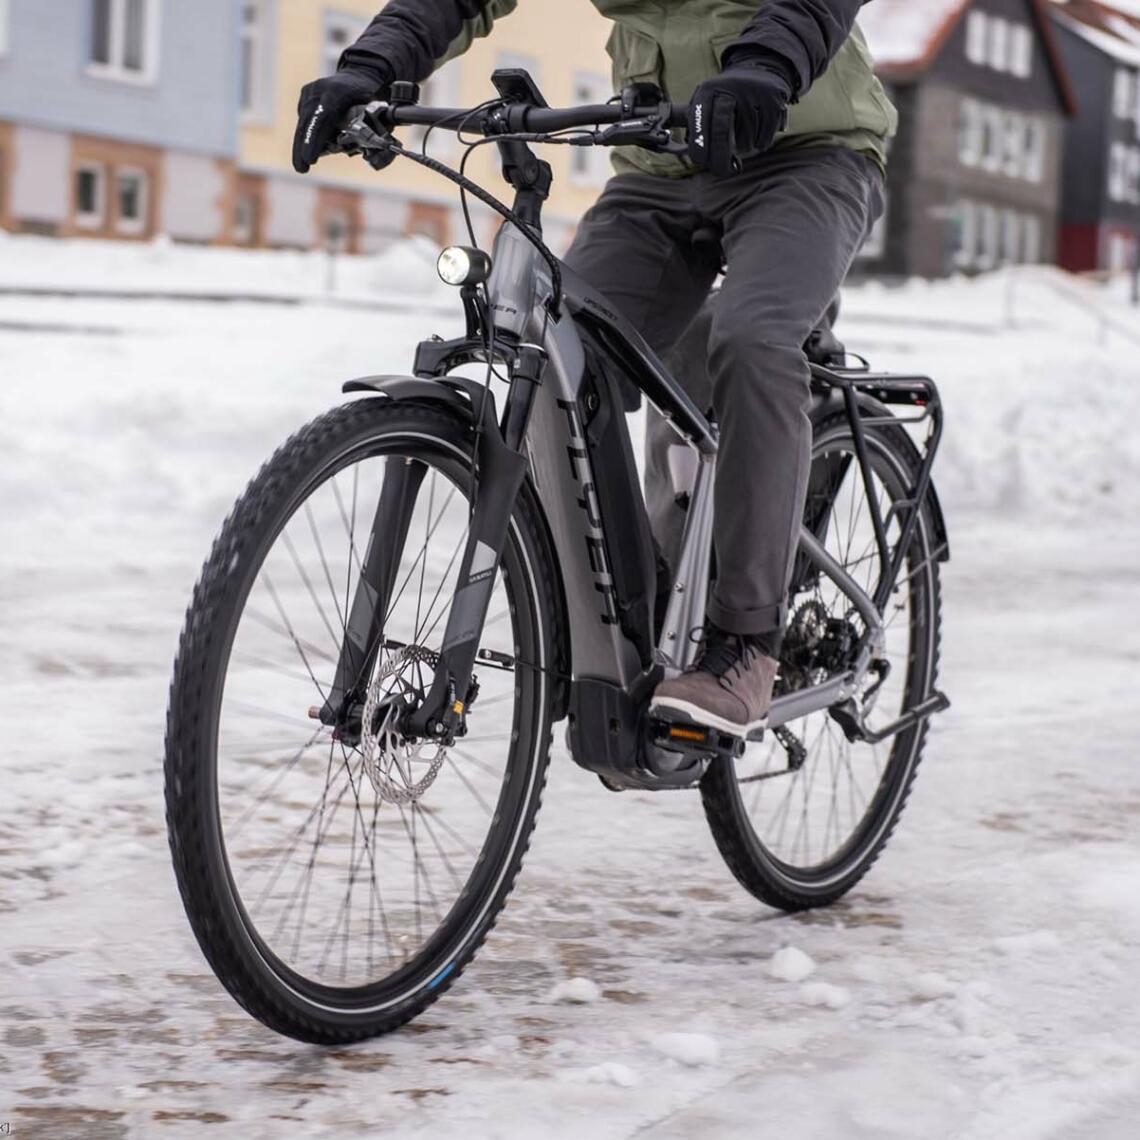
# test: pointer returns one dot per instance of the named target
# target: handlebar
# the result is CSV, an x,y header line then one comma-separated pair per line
x,y
617,123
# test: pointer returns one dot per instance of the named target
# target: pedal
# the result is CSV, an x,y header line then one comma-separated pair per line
x,y
694,739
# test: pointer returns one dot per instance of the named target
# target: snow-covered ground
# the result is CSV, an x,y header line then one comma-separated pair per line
x,y
981,983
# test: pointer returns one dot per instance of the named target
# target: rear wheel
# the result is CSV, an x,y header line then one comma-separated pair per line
x,y
339,885
804,814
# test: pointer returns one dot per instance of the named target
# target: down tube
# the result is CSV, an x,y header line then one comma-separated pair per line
x,y
564,479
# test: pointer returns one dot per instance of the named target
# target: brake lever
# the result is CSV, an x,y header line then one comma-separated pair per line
x,y
359,137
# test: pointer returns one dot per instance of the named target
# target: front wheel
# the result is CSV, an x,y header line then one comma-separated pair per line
x,y
338,883
803,815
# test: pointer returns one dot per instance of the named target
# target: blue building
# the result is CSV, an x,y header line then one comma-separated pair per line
x,y
119,118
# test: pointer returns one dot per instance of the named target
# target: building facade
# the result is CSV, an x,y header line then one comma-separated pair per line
x,y
1100,201
344,204
975,172
118,118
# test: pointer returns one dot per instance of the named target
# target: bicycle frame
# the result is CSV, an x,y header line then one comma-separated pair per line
x,y
540,434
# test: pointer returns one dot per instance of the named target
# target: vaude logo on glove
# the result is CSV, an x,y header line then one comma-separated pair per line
x,y
699,126
313,123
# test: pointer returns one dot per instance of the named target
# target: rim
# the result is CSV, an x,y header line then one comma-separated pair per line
x,y
810,819
341,889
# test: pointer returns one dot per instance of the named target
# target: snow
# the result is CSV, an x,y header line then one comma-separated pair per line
x,y
1116,45
901,32
989,958
576,991
790,965
691,1049
824,994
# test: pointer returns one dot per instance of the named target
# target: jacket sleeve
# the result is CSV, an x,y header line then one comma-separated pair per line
x,y
805,34
411,38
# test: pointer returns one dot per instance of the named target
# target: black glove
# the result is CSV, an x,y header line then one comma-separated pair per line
x,y
323,106
740,111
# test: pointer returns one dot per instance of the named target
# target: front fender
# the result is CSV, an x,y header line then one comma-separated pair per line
x,y
454,392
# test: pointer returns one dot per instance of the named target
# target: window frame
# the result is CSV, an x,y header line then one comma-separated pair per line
x,y
967,234
5,25
1021,51
590,167
1117,158
1124,98
351,23
997,53
115,68
1036,149
91,220
1031,239
970,132
993,123
132,227
257,35
977,37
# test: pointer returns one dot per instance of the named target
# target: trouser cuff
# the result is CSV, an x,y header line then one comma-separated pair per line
x,y
764,622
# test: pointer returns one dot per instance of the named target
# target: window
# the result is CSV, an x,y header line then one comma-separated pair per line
x,y
1013,149
976,37
970,133
993,134
999,43
1021,51
124,39
1036,143
590,165
1010,237
133,201
253,56
1117,160
341,31
1132,176
967,235
246,226
988,232
1124,94
1031,239
90,196
440,90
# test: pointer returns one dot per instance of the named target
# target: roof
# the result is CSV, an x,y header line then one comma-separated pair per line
x,y
1112,28
906,36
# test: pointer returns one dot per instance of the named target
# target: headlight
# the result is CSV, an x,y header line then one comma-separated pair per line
x,y
459,265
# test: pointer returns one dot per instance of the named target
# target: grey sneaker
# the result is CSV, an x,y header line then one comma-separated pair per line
x,y
729,688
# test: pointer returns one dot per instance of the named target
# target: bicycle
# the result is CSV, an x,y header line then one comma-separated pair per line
x,y
420,584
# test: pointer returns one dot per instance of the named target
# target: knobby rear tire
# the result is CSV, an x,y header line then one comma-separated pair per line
x,y
770,879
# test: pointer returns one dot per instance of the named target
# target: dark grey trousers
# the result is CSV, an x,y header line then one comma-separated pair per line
x,y
788,226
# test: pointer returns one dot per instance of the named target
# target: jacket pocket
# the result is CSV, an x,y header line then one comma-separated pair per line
x,y
636,57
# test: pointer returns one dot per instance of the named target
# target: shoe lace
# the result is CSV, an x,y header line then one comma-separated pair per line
x,y
725,654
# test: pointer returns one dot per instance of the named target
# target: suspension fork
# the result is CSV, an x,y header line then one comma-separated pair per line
x,y
501,469
364,630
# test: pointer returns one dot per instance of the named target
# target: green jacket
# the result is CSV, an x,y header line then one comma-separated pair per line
x,y
677,44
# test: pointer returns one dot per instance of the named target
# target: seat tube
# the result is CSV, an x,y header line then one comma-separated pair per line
x,y
689,599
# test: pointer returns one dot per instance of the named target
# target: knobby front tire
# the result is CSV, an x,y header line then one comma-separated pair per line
x,y
328,912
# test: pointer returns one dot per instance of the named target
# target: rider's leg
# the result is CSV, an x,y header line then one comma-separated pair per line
x,y
793,222
791,231
635,246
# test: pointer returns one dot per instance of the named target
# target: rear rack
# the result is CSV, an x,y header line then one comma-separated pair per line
x,y
920,394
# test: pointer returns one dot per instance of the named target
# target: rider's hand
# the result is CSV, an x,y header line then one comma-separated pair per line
x,y
739,111
323,106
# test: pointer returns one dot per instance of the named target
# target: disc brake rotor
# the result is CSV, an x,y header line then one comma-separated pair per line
x,y
388,755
